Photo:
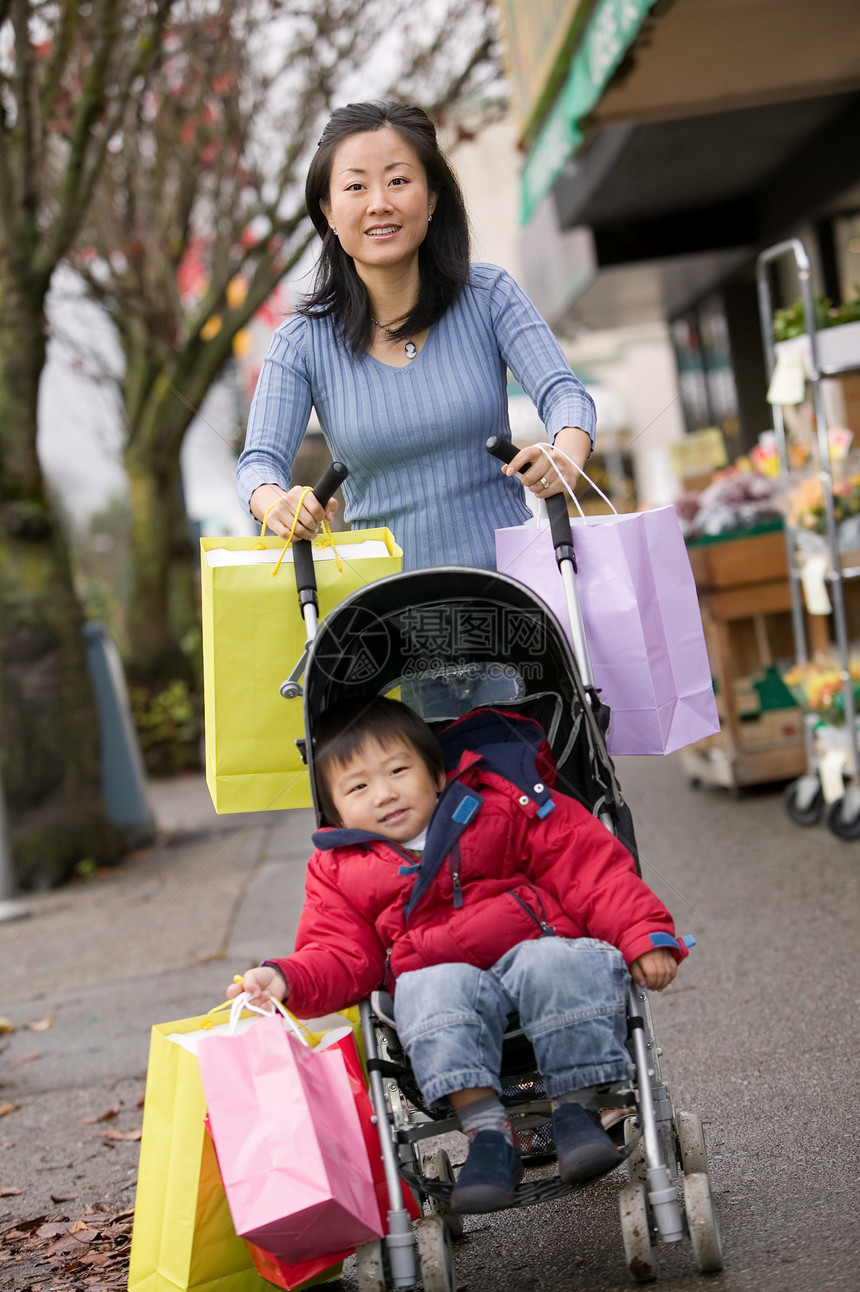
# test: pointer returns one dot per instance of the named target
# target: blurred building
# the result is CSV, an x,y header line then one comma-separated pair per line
x,y
629,371
664,144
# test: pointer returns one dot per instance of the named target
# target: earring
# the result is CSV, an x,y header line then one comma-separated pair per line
x,y
429,217
333,229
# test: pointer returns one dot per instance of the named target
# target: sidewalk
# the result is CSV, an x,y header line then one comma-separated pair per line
x,y
99,961
759,1031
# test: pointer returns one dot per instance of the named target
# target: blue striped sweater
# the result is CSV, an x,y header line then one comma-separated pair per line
x,y
413,438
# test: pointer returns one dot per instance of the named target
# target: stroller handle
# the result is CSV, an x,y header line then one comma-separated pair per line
x,y
306,583
556,506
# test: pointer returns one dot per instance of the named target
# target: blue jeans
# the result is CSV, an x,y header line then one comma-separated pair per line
x,y
570,994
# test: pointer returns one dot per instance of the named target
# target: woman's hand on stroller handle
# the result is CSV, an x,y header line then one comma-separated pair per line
x,y
531,461
264,983
278,506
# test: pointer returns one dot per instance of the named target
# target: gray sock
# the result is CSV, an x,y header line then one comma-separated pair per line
x,y
484,1114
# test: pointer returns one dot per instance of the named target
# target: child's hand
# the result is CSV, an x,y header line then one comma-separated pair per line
x,y
263,984
655,970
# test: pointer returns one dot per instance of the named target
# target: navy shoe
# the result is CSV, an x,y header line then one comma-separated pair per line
x,y
583,1148
489,1176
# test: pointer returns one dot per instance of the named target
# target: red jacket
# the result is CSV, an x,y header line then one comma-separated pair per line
x,y
509,868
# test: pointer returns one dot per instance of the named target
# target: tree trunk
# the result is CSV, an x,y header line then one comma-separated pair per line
x,y
49,724
163,603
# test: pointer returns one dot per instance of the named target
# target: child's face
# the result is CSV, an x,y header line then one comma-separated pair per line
x,y
387,789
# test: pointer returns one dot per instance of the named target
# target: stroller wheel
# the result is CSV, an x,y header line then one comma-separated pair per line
x,y
691,1142
636,1233
437,1166
435,1255
637,1167
702,1222
371,1267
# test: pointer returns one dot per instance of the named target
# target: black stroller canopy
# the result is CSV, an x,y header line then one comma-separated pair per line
x,y
430,623
449,639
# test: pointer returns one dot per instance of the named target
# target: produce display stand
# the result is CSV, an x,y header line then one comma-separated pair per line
x,y
745,598
804,798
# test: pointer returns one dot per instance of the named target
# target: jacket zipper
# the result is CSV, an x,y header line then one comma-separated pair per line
x,y
546,930
455,875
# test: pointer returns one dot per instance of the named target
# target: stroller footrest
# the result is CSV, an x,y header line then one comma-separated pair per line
x,y
527,1194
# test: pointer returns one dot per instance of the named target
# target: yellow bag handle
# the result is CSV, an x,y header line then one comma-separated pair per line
x,y
325,540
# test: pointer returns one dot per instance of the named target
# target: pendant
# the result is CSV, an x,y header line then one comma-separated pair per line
x,y
411,349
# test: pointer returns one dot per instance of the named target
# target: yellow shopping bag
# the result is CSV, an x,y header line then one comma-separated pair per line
x,y
183,1238
253,635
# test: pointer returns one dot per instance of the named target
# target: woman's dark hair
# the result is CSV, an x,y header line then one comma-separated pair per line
x,y
443,257
344,729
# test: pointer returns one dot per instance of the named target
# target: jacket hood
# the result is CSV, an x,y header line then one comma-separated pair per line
x,y
509,745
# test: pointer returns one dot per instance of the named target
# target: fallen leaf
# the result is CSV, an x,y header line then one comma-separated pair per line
x,y
63,1197
41,1025
104,1117
53,1229
6,1026
9,1193
122,1215
7,1108
114,1134
24,1058
23,1228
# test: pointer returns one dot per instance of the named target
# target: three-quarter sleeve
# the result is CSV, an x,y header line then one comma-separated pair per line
x,y
536,359
279,413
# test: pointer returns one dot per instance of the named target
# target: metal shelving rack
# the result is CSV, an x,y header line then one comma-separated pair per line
x,y
804,799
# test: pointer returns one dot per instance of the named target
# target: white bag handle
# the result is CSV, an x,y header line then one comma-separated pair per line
x,y
243,1001
548,450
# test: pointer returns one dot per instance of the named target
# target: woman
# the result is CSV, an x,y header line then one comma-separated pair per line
x,y
403,349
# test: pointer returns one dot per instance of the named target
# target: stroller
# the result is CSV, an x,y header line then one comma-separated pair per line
x,y
450,641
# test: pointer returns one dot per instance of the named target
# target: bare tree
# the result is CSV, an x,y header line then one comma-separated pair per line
x,y
211,163
67,72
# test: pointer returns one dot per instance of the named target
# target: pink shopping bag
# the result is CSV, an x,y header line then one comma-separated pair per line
x,y
642,622
290,1146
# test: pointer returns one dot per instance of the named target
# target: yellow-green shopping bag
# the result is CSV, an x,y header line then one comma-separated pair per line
x,y
183,1238
253,635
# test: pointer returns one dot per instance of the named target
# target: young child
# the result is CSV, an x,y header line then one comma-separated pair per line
x,y
474,895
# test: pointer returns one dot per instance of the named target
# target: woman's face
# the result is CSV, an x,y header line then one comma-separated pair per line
x,y
379,201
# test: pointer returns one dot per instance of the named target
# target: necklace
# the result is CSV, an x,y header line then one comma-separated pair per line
x,y
410,347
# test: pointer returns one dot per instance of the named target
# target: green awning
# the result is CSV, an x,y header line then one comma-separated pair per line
x,y
609,33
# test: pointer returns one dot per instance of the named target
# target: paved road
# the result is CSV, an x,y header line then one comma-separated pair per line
x,y
759,1032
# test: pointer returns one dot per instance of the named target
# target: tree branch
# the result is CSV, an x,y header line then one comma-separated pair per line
x,y
87,145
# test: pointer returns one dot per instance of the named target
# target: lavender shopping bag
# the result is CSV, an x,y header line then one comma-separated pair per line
x,y
642,622
290,1145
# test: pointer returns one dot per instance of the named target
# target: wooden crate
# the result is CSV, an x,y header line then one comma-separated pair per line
x,y
740,562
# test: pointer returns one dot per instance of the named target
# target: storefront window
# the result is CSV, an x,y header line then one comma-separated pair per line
x,y
709,395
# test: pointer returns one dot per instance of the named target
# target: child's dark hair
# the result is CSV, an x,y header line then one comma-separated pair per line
x,y
443,257
345,728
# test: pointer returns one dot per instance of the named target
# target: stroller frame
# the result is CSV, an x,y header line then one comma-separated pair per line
x,y
667,1196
